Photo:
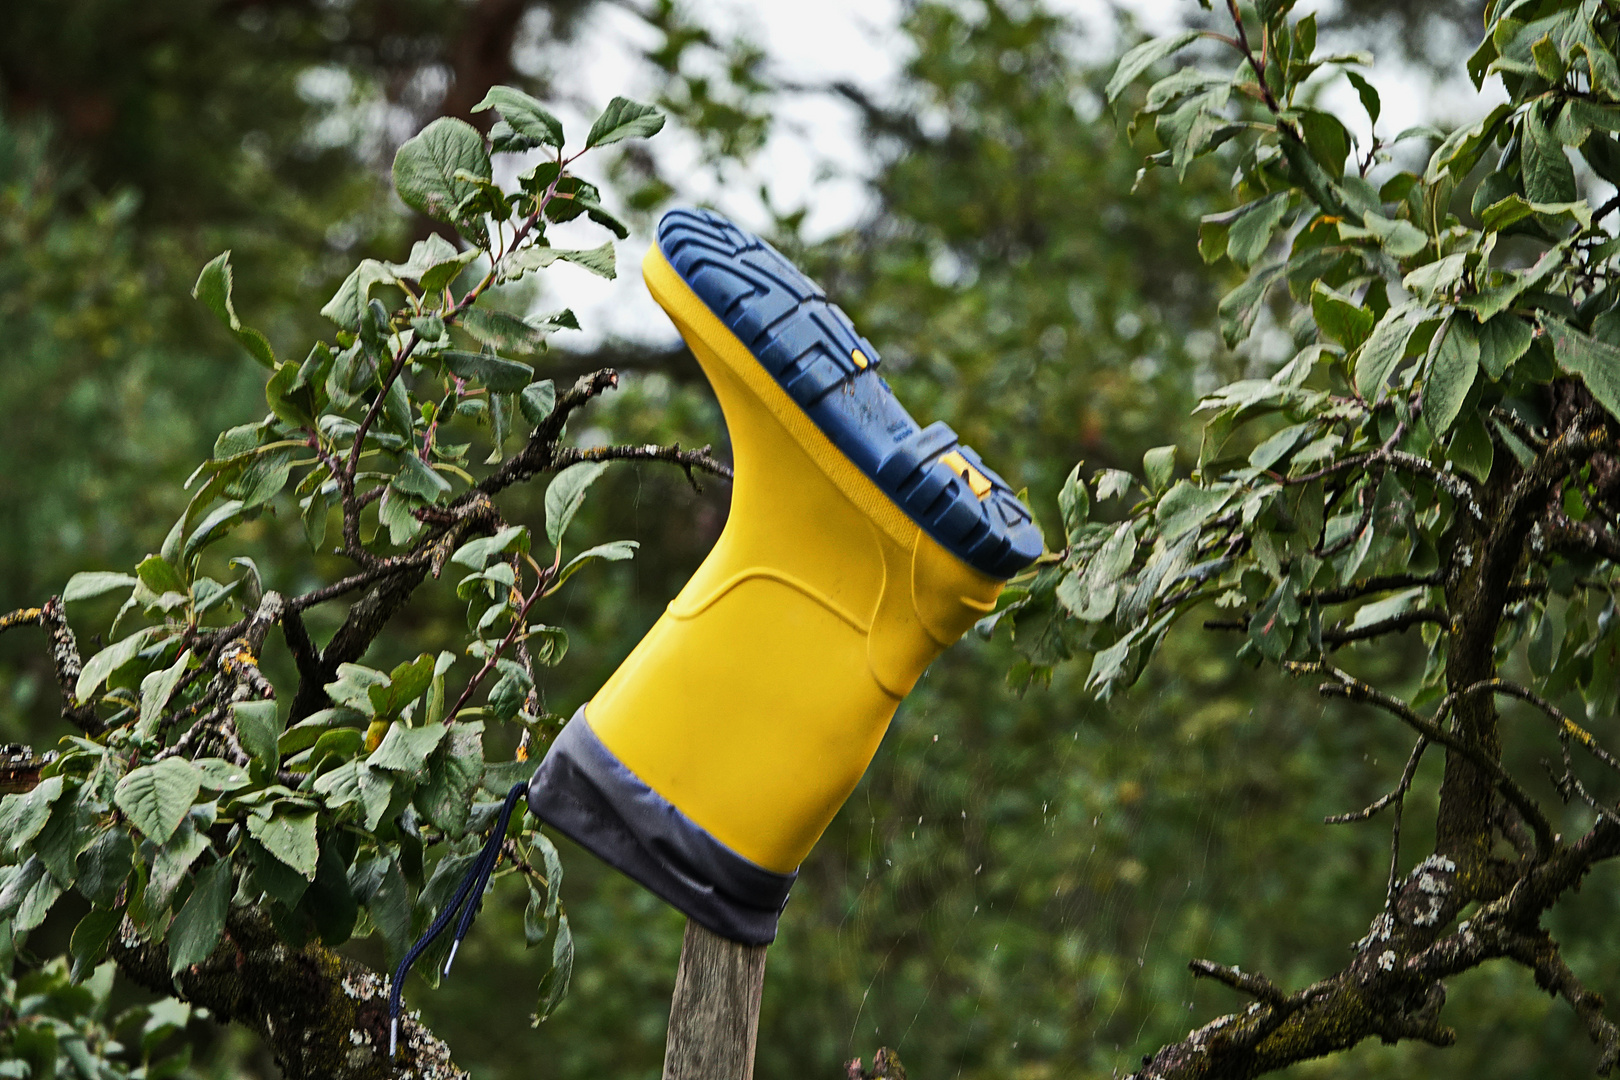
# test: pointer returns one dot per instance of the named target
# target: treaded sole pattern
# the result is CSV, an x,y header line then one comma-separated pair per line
x,y
812,350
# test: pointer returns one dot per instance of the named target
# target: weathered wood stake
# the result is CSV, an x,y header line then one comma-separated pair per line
x,y
714,1016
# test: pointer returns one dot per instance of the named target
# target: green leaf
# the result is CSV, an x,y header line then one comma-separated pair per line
x,y
89,942
505,332
89,584
1383,351
1074,503
1432,279
219,521
477,553
1515,208
156,689
110,659
525,115
417,477
1250,232
1471,449
1548,175
157,797
213,288
454,771
1340,318
1239,308
537,401
405,684
104,865
599,260
1502,340
379,884
1596,362
259,725
22,816
200,921
1456,362
156,574
1158,465
500,376
272,876
354,294
1327,140
1368,95
71,828
1187,506
566,494
290,837
355,782
555,983
1460,150
405,749
1144,56
442,275
219,774
263,480
614,551
353,685
1487,303
547,644
425,167
28,896
1397,236
624,119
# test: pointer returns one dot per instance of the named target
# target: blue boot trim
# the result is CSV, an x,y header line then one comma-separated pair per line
x,y
813,352
586,793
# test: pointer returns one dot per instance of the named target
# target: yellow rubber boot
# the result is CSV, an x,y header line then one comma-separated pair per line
x,y
858,547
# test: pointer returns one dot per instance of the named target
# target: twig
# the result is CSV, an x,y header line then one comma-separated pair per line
x,y
1567,728
1349,687
1397,794
1255,985
1366,586
519,622
686,459
1341,636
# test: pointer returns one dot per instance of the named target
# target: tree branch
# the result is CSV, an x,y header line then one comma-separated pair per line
x,y
1353,689
323,1015
686,459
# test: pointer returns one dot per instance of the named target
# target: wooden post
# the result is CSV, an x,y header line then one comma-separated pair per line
x,y
714,1017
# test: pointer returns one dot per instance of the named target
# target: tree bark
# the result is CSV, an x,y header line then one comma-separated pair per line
x,y
714,1017
323,1015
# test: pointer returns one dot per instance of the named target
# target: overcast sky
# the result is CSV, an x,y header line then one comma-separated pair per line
x,y
859,41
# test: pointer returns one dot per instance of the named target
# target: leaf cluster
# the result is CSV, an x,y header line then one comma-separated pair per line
x,y
195,787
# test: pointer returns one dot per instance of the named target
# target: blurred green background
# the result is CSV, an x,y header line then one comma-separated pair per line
x,y
1016,887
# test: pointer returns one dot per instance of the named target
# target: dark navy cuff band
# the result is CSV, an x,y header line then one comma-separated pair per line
x,y
586,793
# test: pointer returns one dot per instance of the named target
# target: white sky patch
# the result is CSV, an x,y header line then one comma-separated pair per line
x,y
816,156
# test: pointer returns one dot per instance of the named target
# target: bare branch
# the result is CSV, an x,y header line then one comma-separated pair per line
x,y
1567,728
1347,686
1394,795
1340,636
686,459
1367,586
537,455
1253,984
1542,956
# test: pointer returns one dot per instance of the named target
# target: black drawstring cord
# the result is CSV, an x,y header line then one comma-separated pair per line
x,y
471,893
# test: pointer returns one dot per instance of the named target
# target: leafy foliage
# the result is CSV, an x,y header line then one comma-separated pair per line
x,y
1438,454
350,807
